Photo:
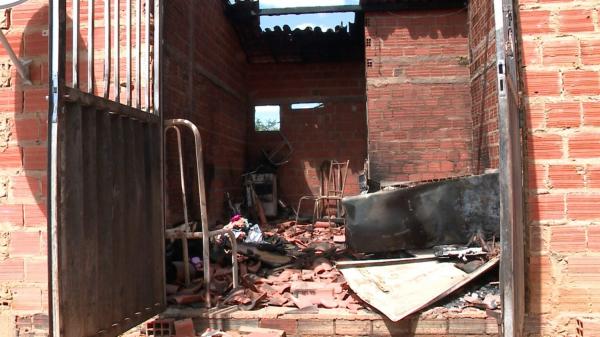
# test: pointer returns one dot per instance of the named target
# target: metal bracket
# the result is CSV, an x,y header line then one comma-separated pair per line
x,y
22,65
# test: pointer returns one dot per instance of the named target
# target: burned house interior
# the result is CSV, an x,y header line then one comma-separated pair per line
x,y
339,172
299,179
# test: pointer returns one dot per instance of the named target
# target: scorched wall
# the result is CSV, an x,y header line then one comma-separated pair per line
x,y
335,131
418,91
204,81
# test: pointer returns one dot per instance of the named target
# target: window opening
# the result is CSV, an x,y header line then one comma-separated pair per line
x,y
267,118
305,106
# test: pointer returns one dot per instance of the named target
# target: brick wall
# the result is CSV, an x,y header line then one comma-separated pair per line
x,y
484,97
205,83
23,125
418,89
561,77
335,131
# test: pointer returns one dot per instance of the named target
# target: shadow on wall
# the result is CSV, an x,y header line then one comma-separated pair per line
x,y
23,165
418,23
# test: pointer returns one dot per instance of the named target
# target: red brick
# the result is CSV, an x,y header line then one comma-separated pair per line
x,y
545,83
567,239
36,99
11,270
566,176
11,214
583,206
545,146
534,21
27,129
27,298
535,116
563,115
584,269
561,52
531,54
35,158
35,215
591,113
24,243
581,83
23,187
593,243
584,145
36,270
11,158
546,207
576,20
593,176
290,326
573,299
536,177
590,52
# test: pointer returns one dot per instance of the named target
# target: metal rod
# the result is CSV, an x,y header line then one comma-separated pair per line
x,y
19,65
90,58
128,54
57,77
116,43
186,258
147,52
201,194
75,54
156,77
138,39
106,48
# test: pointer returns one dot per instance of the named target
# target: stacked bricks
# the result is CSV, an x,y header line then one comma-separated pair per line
x,y
337,130
204,72
484,97
23,184
419,94
560,56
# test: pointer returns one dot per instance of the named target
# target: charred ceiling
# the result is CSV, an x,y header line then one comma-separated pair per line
x,y
283,44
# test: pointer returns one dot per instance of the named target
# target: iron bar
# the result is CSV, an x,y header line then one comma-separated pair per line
x,y
156,60
21,66
147,27
138,39
75,52
116,43
128,53
106,48
90,58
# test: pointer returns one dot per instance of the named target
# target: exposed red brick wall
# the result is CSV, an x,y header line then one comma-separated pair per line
x,y
561,76
336,131
418,89
205,83
23,187
484,97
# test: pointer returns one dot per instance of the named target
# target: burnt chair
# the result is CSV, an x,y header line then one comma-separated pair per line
x,y
332,189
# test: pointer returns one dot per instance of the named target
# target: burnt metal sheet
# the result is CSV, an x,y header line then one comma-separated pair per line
x,y
418,284
427,215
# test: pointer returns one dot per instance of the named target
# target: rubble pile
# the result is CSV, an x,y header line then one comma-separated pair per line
x,y
286,264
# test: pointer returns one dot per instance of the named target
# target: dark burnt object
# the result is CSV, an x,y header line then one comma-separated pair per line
x,y
430,214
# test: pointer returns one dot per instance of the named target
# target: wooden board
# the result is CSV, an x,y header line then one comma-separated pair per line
x,y
401,289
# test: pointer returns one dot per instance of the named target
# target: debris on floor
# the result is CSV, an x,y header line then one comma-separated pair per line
x,y
306,267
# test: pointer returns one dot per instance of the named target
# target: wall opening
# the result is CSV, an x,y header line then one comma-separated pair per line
x,y
267,118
